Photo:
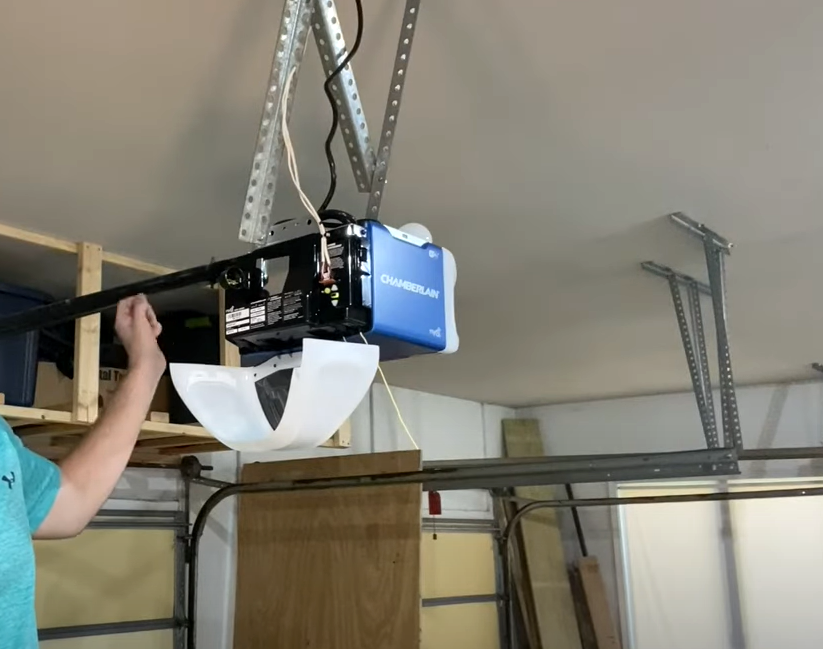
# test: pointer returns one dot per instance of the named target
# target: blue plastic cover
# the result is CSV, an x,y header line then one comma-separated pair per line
x,y
407,292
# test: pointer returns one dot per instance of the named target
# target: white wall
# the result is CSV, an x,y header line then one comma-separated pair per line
x,y
771,416
443,427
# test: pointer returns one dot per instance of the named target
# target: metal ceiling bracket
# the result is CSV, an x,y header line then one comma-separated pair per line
x,y
291,43
699,372
398,82
715,249
732,435
701,231
665,272
332,48
369,168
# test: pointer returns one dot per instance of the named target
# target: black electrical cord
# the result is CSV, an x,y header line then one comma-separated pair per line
x,y
336,217
335,113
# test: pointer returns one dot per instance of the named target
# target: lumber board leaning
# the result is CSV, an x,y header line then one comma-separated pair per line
x,y
597,603
547,573
338,568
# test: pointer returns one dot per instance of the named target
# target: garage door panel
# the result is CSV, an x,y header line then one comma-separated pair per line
x,y
105,576
457,564
460,626
144,640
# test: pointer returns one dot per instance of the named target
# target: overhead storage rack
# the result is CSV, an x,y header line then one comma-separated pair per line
x,y
53,432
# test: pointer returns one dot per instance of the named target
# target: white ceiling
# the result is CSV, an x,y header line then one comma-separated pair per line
x,y
541,141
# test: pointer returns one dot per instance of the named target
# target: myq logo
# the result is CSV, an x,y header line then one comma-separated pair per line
x,y
409,286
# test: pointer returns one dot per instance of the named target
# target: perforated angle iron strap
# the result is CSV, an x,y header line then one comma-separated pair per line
x,y
401,64
288,54
665,272
728,401
332,47
699,337
706,417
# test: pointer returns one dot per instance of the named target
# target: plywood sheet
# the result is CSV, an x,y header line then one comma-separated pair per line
x,y
330,569
144,640
105,576
543,547
460,626
457,564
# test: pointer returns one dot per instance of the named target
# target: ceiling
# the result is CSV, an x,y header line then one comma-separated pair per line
x,y
541,141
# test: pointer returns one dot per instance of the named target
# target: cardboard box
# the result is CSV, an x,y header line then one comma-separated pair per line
x,y
56,392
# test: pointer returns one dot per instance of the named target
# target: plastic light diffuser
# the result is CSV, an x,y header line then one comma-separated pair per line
x,y
288,402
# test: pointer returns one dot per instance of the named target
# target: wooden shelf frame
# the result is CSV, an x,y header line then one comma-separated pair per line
x,y
53,433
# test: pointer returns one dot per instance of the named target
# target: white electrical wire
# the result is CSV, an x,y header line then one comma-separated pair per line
x,y
295,175
393,401
324,244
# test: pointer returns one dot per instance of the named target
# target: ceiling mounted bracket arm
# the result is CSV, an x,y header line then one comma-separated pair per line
x,y
694,360
715,248
684,280
715,261
701,231
256,221
699,336
389,128
332,48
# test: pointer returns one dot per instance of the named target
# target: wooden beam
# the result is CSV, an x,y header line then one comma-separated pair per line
x,y
18,414
44,240
87,336
167,442
543,547
203,447
47,431
159,417
597,603
195,432
147,267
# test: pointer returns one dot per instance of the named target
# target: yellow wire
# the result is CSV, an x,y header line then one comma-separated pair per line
x,y
393,401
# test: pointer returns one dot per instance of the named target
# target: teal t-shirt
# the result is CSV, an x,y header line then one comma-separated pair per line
x,y
28,487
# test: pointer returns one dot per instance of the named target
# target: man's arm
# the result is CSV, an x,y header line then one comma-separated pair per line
x,y
91,471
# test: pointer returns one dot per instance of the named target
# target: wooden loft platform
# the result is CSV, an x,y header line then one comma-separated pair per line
x,y
54,432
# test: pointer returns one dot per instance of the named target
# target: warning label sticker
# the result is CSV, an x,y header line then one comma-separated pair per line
x,y
274,310
237,314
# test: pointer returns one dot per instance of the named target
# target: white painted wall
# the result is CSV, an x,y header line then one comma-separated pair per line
x,y
443,427
771,416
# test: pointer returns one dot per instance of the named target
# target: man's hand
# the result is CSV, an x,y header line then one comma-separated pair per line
x,y
137,327
91,471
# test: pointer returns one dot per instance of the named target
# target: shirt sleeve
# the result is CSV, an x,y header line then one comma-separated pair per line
x,y
40,479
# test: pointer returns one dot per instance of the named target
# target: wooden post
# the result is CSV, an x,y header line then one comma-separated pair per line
x,y
87,336
229,353
341,437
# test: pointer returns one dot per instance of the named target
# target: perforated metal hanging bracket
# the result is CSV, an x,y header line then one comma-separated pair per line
x,y
715,248
288,54
332,48
398,82
695,355
369,167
